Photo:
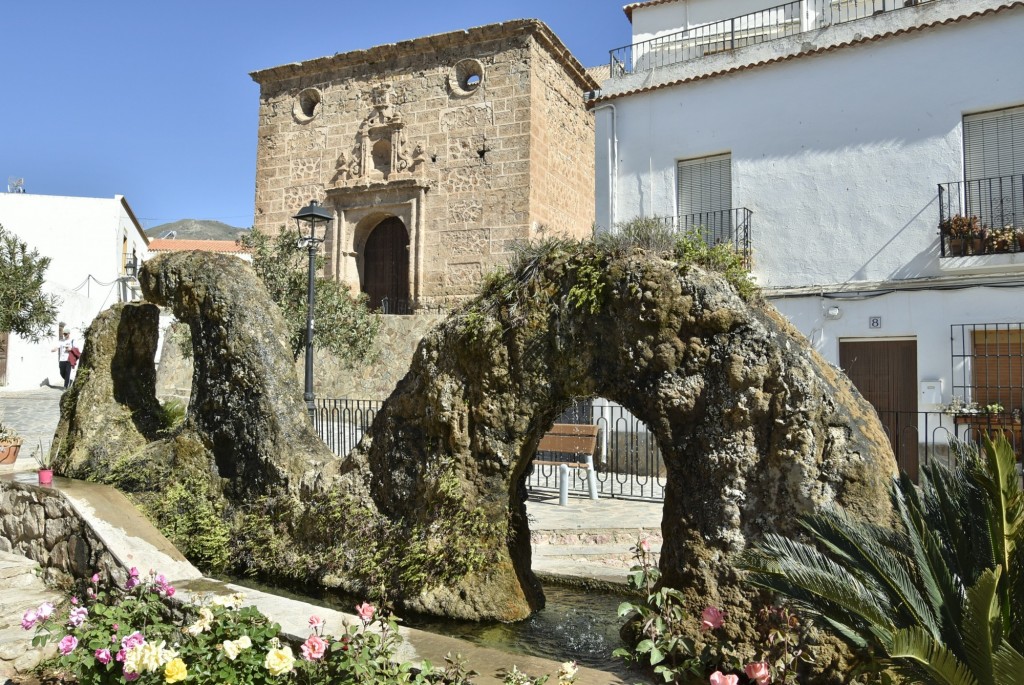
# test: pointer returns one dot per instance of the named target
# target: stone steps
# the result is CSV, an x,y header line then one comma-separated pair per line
x,y
20,589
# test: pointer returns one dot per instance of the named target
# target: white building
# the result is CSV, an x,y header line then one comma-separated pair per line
x,y
91,243
835,135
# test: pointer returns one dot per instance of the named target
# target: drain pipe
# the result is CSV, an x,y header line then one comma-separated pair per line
x,y
613,166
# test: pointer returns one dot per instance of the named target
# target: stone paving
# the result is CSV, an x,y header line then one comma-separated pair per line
x,y
34,414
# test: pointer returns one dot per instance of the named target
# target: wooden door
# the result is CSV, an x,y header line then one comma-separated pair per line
x,y
386,267
885,373
4,337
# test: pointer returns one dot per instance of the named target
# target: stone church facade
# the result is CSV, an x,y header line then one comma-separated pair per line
x,y
435,155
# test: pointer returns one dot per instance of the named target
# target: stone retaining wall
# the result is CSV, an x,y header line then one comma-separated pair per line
x,y
39,523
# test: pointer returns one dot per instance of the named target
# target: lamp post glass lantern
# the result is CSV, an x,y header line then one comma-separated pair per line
x,y
312,215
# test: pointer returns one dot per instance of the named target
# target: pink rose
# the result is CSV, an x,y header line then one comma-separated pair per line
x,y
119,657
718,678
29,618
44,611
366,612
77,616
316,622
711,618
129,676
103,656
95,578
74,600
67,644
758,671
169,590
645,545
134,640
314,648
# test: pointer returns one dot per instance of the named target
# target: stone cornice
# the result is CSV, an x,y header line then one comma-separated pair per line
x,y
431,44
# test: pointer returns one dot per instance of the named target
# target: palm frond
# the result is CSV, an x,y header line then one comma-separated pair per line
x,y
915,654
1007,665
882,561
981,617
797,565
956,513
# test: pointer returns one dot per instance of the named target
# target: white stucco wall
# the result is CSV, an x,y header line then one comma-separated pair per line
x,y
659,20
838,154
83,238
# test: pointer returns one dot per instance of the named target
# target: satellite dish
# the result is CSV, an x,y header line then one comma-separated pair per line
x,y
15,185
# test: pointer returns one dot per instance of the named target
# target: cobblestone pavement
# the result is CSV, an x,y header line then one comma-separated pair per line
x,y
34,414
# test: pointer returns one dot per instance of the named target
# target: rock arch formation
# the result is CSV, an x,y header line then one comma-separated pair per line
x,y
754,427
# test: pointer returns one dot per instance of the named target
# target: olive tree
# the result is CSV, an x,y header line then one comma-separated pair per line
x,y
25,309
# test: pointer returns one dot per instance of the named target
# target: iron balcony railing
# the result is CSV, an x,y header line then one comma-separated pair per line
x,y
983,216
789,19
728,227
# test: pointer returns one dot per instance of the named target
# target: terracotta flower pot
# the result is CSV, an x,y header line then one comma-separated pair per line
x,y
957,247
9,451
45,476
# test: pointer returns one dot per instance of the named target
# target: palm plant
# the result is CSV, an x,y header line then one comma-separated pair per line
x,y
937,599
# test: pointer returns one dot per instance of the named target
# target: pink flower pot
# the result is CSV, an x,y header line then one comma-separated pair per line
x,y
45,476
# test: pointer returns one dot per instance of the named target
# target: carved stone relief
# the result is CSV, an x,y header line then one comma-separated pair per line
x,y
382,152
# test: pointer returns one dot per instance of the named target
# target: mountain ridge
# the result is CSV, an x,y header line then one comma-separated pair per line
x,y
197,229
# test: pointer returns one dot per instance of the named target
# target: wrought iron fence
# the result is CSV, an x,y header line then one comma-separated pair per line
x,y
341,423
789,19
629,463
920,438
729,227
995,209
395,305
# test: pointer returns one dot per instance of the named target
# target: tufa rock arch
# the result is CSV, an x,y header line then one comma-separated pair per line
x,y
755,428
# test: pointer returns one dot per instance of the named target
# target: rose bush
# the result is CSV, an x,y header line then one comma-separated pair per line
x,y
136,633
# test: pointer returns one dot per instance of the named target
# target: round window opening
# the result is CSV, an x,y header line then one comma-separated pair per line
x,y
467,75
307,105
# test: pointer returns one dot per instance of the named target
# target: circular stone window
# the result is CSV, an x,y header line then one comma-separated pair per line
x,y
466,76
307,105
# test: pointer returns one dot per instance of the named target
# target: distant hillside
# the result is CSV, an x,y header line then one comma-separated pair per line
x,y
197,229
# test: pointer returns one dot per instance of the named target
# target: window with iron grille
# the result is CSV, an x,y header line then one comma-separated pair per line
x,y
705,196
994,167
988,365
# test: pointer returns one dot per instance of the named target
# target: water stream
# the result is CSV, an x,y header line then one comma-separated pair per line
x,y
576,624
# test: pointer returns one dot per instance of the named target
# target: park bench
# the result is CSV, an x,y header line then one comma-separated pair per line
x,y
577,440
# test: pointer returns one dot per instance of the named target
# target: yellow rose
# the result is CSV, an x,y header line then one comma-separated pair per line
x,y
175,671
279,661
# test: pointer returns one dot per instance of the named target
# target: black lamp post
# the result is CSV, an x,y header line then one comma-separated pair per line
x,y
313,215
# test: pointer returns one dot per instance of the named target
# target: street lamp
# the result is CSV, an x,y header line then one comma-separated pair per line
x,y
312,214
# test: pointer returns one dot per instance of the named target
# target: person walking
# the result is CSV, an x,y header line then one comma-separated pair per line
x,y
63,350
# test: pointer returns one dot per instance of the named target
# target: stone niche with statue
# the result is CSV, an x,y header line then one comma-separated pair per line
x,y
435,155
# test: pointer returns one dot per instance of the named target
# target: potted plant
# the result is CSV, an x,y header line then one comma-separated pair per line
x,y
10,443
1000,239
963,232
45,460
1019,235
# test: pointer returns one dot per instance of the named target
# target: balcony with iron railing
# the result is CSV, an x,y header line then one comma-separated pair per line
x,y
726,227
789,19
983,216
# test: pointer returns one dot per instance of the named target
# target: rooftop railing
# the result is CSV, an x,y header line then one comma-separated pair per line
x,y
789,19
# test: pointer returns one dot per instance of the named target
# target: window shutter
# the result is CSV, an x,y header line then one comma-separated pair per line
x,y
705,185
994,144
994,166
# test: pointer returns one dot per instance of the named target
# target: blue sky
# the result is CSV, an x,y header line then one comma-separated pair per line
x,y
152,99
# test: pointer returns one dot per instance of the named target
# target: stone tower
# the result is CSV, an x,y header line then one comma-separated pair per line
x,y
434,155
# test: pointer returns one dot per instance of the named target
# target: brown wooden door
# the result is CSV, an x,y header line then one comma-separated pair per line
x,y
885,373
4,337
386,266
